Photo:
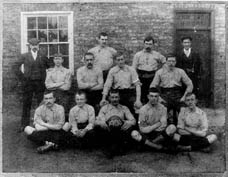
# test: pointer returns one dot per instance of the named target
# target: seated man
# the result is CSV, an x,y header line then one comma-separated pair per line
x,y
169,80
152,122
192,127
81,122
125,79
114,123
90,80
59,80
48,121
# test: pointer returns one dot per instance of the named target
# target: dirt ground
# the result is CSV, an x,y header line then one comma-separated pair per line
x,y
19,154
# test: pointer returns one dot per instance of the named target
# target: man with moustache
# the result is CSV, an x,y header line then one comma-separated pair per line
x,y
103,54
31,70
114,124
59,80
90,80
48,122
169,80
147,62
189,60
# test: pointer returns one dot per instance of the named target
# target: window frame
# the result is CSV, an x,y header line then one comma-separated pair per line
x,y
24,30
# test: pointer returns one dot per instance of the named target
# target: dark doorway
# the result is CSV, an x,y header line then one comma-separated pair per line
x,y
198,25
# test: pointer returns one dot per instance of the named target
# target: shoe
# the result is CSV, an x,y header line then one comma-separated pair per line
x,y
45,148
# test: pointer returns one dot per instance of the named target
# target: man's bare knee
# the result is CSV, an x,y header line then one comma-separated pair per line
x,y
29,130
66,127
136,135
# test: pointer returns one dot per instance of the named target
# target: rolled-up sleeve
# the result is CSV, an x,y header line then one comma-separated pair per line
x,y
187,81
108,83
156,80
135,77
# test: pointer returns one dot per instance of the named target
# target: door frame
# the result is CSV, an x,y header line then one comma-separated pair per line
x,y
212,35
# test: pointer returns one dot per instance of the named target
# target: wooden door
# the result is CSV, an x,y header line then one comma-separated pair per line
x,y
198,26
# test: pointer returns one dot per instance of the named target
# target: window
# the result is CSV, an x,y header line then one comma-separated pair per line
x,y
53,29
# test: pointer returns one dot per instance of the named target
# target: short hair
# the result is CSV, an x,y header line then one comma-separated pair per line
x,y
102,34
189,94
58,55
88,53
46,92
170,55
186,37
153,89
114,91
149,38
80,92
119,53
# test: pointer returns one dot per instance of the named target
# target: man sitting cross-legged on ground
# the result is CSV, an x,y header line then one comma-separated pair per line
x,y
192,127
81,122
152,122
114,124
49,119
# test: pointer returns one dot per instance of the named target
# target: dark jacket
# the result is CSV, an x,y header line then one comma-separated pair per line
x,y
27,59
192,65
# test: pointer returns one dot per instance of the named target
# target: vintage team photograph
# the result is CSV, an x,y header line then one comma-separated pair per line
x,y
93,86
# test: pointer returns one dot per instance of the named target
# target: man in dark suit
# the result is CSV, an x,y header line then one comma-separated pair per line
x,y
31,70
189,60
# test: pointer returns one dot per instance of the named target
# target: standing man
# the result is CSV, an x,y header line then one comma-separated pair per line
x,y
81,122
189,60
90,80
147,62
114,123
192,127
169,79
125,79
31,70
59,80
48,122
103,54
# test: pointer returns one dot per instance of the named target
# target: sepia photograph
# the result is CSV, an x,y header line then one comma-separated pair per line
x,y
114,88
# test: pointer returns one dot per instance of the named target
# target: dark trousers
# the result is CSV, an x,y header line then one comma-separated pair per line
x,y
127,98
70,140
195,142
116,137
172,97
62,98
145,77
93,98
105,75
54,136
151,136
31,88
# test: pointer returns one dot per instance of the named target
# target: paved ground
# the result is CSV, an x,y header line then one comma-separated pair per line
x,y
19,154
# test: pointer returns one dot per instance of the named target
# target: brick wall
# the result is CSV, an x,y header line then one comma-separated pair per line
x,y
127,25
